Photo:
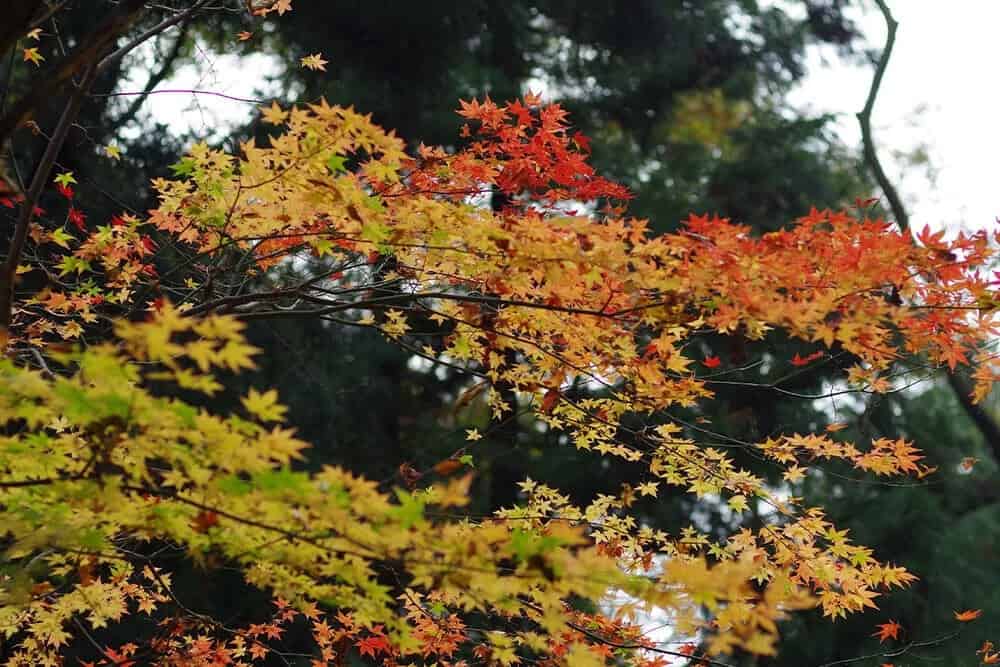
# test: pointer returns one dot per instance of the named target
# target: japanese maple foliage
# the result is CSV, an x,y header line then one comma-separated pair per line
x,y
520,265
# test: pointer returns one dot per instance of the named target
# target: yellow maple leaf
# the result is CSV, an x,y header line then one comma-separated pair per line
x,y
647,489
274,114
32,55
794,474
264,406
738,503
314,62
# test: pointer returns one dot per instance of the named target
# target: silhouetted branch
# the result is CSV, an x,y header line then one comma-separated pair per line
x,y
865,120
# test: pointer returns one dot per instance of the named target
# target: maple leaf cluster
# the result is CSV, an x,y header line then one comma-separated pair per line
x,y
508,259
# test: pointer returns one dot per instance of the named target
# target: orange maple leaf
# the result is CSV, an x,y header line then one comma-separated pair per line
x,y
446,467
989,657
888,630
532,99
968,615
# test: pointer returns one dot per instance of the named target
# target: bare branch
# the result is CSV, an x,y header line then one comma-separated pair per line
x,y
152,32
865,120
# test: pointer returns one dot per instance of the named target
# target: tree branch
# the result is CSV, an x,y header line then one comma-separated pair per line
x,y
8,272
48,84
49,13
989,429
17,20
166,63
865,120
152,32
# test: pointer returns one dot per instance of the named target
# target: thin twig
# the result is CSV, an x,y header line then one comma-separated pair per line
x,y
152,32
189,91
895,653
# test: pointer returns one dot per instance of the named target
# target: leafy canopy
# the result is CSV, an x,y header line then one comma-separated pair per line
x,y
552,293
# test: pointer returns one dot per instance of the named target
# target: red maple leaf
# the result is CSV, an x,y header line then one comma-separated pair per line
x,y
373,645
77,217
806,360
888,630
204,521
712,361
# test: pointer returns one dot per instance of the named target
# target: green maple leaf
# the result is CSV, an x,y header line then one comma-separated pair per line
x,y
65,179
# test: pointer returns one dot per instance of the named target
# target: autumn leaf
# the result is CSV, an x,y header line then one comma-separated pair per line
x,y
968,615
738,503
446,467
65,179
549,401
33,56
314,62
989,657
794,474
888,630
532,99
113,151
265,405
798,360
373,645
76,217
274,114
34,33
836,426
647,489
712,362
204,520
244,35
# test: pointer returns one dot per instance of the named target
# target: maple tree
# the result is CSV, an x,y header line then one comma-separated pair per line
x,y
555,295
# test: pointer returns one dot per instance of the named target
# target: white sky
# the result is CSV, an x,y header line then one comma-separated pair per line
x,y
939,94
